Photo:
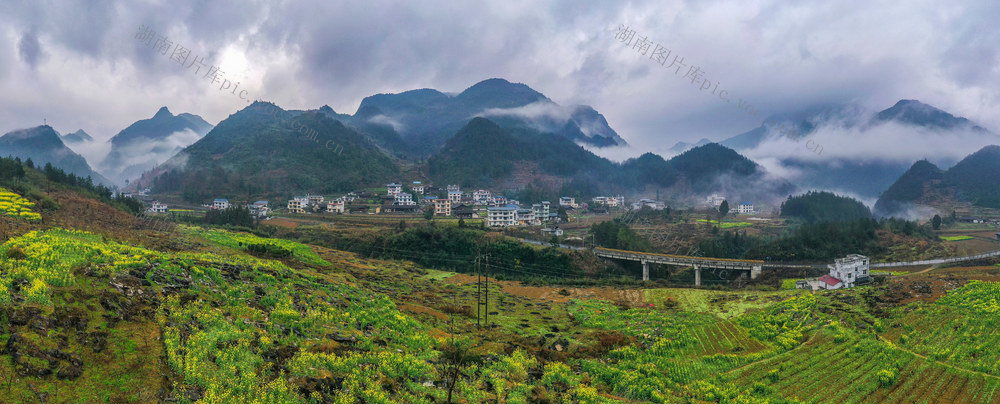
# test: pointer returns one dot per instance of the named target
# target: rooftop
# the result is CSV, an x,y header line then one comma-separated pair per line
x,y
829,280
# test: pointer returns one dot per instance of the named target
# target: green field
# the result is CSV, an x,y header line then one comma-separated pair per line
x,y
211,319
726,225
956,238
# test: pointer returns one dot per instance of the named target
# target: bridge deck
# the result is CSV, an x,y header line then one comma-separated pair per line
x,y
677,259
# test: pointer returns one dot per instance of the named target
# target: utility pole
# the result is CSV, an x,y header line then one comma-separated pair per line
x,y
482,291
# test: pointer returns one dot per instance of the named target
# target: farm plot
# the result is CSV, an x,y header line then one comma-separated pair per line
x,y
842,367
959,328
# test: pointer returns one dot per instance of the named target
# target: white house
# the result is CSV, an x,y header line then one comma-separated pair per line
x,y
404,199
502,216
315,200
335,207
567,201
220,204
258,208
158,207
525,217
394,188
541,211
454,188
501,200
844,273
715,200
744,208
454,196
850,269
554,231
482,197
417,187
609,201
652,204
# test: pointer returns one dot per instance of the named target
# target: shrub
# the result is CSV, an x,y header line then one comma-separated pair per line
x,y
269,250
16,253
886,377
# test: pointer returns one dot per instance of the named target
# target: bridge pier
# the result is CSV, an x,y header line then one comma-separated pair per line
x,y
755,271
645,270
697,276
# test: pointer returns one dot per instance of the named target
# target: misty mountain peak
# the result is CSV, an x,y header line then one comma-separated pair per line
x,y
163,112
914,112
77,137
500,93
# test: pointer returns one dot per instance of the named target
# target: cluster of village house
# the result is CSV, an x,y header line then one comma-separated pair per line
x,y
497,209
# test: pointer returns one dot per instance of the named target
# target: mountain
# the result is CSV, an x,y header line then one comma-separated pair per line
x,y
803,122
264,150
977,177
909,188
483,153
714,168
681,147
42,145
858,151
145,143
77,137
916,113
427,118
972,181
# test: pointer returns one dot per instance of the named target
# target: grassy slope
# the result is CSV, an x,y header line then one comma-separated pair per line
x,y
87,317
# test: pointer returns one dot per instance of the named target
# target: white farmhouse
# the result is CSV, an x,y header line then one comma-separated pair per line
x,y
844,273
394,188
744,208
335,206
158,207
220,204
404,199
502,216
715,200
258,208
482,197
652,204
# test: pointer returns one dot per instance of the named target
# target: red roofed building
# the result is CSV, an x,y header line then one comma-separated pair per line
x,y
829,282
844,273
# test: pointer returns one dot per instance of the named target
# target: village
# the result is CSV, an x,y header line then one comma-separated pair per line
x,y
416,198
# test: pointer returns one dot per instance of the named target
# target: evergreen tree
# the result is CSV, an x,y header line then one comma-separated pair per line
x,y
936,222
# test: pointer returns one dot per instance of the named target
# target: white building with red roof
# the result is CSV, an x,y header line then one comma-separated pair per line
x,y
844,273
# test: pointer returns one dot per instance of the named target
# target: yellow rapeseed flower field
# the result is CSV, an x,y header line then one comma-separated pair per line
x,y
12,204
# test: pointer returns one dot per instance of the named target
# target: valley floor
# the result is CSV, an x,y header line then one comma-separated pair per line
x,y
209,316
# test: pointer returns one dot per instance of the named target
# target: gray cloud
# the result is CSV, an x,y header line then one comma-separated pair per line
x,y
84,69
29,49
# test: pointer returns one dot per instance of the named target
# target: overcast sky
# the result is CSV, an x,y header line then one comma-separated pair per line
x,y
79,64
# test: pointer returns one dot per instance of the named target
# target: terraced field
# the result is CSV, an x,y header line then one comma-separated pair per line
x,y
837,369
235,317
